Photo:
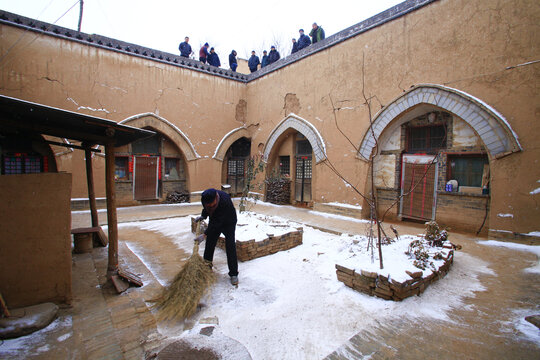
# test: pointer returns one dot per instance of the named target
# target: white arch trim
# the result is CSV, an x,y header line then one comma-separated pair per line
x,y
228,140
496,133
303,126
171,130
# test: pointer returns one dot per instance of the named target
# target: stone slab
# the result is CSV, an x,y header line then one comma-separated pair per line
x,y
24,321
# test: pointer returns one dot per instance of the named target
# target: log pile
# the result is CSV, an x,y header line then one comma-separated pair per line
x,y
177,197
278,191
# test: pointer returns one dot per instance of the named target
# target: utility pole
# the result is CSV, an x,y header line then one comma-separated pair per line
x,y
81,2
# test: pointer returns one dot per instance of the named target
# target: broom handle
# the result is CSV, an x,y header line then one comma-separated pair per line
x,y
5,310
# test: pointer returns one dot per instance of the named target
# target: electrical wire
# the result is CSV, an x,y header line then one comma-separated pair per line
x,y
34,39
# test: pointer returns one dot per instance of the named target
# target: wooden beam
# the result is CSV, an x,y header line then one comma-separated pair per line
x,y
90,183
72,146
112,221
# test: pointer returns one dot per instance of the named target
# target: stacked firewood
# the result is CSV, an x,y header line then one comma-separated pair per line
x,y
278,191
177,197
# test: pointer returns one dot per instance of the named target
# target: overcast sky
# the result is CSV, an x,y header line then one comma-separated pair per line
x,y
226,25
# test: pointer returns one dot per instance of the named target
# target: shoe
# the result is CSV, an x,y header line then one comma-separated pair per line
x,y
234,280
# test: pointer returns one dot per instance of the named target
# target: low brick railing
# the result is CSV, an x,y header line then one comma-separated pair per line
x,y
251,249
374,284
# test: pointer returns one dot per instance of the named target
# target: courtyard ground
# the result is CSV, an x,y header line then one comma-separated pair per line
x,y
286,307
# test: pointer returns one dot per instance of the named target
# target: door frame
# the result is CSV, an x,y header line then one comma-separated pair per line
x,y
417,159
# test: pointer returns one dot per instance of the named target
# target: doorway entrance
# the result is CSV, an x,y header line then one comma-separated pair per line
x,y
303,170
419,175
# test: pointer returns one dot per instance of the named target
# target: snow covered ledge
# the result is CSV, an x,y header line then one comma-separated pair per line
x,y
374,284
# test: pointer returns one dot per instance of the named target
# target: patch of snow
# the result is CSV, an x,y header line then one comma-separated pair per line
x,y
535,191
359,207
27,346
533,233
86,107
347,184
506,215
291,291
336,216
535,249
528,330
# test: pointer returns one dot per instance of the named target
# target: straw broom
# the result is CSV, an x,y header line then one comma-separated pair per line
x,y
180,298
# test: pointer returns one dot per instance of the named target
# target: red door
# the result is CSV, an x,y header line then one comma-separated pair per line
x,y
418,187
145,186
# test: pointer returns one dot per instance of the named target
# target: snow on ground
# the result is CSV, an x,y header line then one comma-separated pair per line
x,y
21,347
358,207
519,247
336,216
290,305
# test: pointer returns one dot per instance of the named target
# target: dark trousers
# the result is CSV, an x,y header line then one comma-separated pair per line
x,y
203,60
230,247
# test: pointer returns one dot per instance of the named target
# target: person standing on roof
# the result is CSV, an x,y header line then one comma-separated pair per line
x,y
273,56
294,46
203,53
253,62
185,48
213,58
317,33
233,63
303,40
218,206
264,61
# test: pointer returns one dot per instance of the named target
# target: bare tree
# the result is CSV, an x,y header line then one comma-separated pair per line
x,y
371,197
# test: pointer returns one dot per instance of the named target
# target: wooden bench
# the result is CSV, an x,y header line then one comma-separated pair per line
x,y
85,239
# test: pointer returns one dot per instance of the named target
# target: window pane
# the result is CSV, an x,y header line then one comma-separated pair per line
x,y
284,165
468,171
121,168
171,169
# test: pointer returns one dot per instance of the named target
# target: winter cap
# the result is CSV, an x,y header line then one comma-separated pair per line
x,y
211,48
302,30
208,196
206,44
272,47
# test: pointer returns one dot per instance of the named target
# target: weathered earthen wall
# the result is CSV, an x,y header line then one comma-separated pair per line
x,y
35,218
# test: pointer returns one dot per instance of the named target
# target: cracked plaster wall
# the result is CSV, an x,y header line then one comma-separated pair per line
x,y
486,48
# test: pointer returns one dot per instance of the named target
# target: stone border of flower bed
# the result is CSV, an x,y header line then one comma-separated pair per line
x,y
251,249
373,284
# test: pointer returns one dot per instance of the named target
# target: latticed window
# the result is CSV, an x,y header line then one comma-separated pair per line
x,y
284,165
22,164
427,139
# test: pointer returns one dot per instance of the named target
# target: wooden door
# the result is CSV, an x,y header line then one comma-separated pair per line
x,y
145,178
418,187
236,175
303,178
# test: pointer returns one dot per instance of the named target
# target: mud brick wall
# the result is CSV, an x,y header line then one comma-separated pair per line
x,y
377,285
461,211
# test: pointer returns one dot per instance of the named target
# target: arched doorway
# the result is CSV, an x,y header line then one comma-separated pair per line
x,y
290,150
149,170
435,147
235,163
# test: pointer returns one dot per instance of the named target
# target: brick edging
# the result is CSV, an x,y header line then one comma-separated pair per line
x,y
374,284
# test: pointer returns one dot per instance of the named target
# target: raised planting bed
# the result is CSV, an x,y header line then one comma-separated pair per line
x,y
413,263
259,235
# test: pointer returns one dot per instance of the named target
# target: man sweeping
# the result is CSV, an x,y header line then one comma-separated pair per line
x,y
218,206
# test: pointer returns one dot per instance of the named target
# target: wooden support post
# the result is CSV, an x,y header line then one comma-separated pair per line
x,y
90,182
112,220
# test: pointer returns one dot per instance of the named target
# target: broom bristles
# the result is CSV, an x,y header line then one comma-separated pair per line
x,y
180,298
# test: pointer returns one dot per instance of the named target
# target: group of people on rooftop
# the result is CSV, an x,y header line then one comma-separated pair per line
x,y
211,57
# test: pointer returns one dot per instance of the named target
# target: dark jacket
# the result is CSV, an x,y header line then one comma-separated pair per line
x,y
225,214
232,59
317,34
213,59
264,61
294,47
273,56
253,62
303,41
185,49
